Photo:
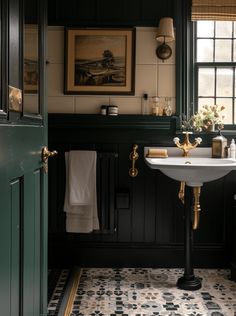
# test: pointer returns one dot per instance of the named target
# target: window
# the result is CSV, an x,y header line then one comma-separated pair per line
x,y
215,66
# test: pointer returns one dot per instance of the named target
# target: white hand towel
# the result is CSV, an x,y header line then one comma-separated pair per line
x,y
81,196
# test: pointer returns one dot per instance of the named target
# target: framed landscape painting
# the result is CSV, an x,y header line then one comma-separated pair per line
x,y
31,76
99,61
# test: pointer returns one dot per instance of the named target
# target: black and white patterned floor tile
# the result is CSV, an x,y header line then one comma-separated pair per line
x,y
152,292
60,278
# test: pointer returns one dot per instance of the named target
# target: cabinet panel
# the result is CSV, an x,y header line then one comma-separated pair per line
x,y
16,238
31,244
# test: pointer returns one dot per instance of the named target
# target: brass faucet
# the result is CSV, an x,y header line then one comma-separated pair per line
x,y
186,146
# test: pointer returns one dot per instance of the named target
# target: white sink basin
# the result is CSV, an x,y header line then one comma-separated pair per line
x,y
194,170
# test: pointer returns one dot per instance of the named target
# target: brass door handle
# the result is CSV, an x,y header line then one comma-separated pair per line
x,y
133,156
45,155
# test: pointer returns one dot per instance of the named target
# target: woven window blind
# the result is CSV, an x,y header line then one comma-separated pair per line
x,y
218,10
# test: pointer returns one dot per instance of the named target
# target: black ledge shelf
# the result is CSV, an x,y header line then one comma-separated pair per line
x,y
167,124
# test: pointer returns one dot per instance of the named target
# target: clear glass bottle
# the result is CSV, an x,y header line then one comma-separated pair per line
x,y
145,104
168,108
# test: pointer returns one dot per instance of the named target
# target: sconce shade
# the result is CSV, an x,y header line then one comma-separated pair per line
x,y
165,31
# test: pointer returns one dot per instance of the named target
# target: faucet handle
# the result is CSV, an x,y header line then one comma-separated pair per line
x,y
198,140
176,140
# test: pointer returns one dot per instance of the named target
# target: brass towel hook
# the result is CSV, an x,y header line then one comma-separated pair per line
x,y
133,156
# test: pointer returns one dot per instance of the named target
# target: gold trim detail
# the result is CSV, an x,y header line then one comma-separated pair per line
x,y
45,155
73,291
182,191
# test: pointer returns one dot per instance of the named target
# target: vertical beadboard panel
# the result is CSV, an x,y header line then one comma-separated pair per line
x,y
31,244
37,241
124,220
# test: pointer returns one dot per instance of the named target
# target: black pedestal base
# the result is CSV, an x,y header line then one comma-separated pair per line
x,y
189,284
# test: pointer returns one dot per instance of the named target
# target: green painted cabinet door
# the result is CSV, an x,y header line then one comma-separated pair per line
x,y
23,181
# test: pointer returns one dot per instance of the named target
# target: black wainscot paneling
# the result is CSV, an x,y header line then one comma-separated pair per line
x,y
108,12
142,217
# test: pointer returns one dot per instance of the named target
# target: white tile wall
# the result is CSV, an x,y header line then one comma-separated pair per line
x,y
152,76
55,45
90,104
65,104
145,46
55,80
166,80
146,80
127,105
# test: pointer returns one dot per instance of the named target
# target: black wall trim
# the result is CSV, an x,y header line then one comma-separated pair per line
x,y
126,256
88,121
233,271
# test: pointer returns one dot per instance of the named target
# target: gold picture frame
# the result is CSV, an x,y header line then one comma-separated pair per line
x,y
99,61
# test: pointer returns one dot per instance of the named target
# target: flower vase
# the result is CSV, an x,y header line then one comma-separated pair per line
x,y
210,128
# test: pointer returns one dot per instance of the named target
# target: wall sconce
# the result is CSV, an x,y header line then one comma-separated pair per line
x,y
165,34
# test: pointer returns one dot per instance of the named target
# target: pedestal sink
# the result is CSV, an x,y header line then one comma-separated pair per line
x,y
194,171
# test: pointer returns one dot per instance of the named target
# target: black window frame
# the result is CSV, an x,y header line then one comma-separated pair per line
x,y
195,66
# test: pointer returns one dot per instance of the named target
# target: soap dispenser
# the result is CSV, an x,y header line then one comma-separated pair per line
x,y
219,143
232,149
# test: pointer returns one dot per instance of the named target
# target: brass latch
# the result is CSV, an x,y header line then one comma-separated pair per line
x,y
45,155
133,172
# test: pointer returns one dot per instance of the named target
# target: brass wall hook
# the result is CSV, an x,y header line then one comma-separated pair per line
x,y
133,156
